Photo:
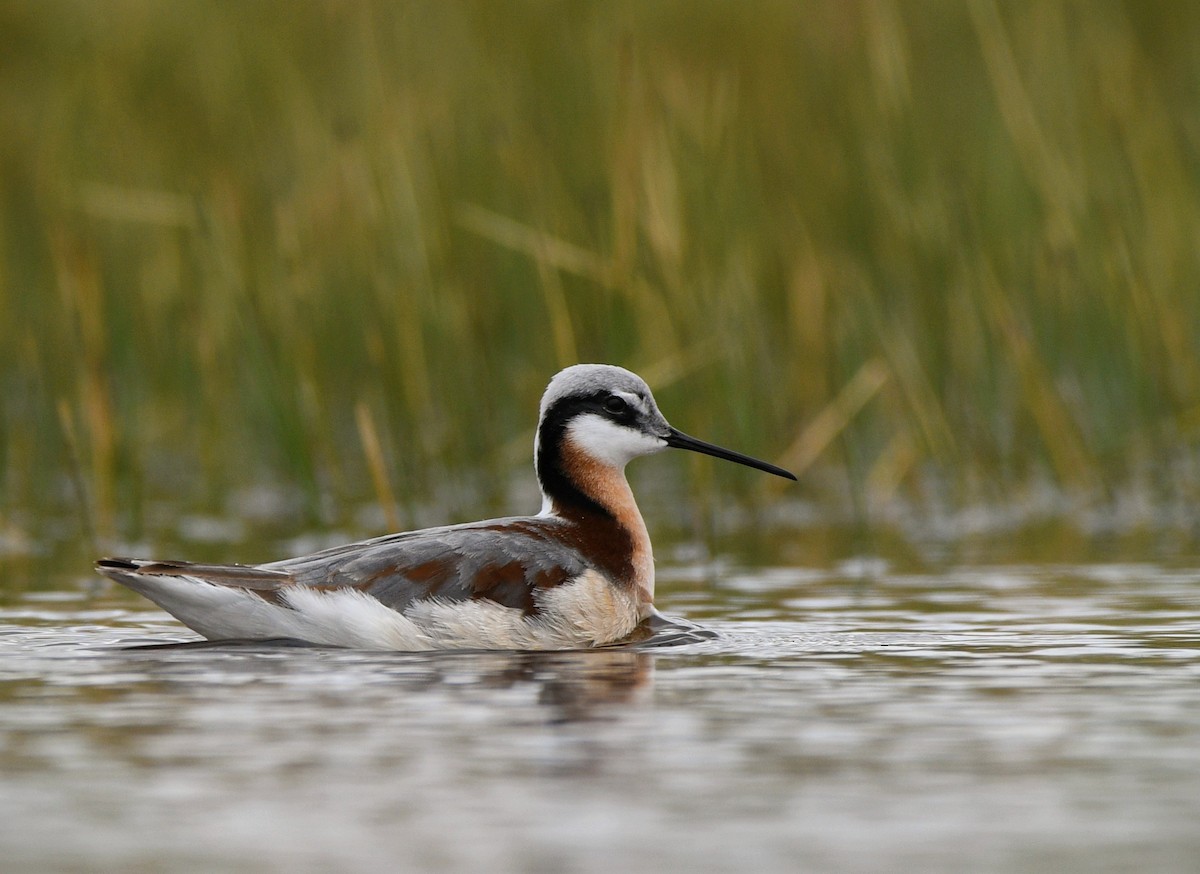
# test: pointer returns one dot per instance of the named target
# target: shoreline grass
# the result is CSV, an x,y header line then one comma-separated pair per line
x,y
924,245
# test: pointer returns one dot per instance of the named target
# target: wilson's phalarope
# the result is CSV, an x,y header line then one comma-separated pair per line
x,y
579,574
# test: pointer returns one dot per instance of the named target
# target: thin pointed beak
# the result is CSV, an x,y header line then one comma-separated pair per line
x,y
679,440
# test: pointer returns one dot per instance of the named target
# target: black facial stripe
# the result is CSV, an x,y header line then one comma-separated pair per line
x,y
565,409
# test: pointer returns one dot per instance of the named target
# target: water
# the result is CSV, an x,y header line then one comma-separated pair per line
x,y
855,717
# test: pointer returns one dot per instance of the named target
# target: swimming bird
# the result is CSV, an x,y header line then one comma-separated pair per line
x,y
579,574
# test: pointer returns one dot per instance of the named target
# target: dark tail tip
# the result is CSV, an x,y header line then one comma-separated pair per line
x,y
116,564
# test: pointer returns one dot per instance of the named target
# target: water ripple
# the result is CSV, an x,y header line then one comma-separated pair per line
x,y
983,718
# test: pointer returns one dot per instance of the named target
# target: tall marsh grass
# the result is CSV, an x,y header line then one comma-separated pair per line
x,y
923,249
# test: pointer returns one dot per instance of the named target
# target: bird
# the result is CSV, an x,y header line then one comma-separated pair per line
x,y
577,575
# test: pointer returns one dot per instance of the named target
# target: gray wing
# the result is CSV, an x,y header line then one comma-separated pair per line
x,y
505,560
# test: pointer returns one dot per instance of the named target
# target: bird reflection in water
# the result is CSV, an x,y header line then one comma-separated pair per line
x,y
576,685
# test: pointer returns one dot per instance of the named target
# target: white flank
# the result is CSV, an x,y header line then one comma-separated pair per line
x,y
217,612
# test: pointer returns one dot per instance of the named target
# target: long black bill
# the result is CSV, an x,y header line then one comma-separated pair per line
x,y
679,440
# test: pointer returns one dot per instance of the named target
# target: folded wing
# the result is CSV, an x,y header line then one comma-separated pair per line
x,y
505,561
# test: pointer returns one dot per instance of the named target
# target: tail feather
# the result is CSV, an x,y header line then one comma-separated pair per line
x,y
233,575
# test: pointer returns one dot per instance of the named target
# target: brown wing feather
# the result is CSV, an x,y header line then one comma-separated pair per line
x,y
503,561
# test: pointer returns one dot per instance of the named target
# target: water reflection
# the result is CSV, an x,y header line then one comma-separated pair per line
x,y
571,686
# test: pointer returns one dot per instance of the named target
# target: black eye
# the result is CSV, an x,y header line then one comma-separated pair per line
x,y
615,405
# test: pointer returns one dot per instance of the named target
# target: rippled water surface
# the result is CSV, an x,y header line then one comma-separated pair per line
x,y
983,718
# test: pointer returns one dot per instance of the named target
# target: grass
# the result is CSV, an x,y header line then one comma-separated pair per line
x,y
927,250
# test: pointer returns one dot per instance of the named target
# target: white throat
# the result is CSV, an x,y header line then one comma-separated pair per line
x,y
609,443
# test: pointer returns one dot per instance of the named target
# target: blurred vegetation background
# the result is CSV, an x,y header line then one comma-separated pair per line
x,y
923,252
